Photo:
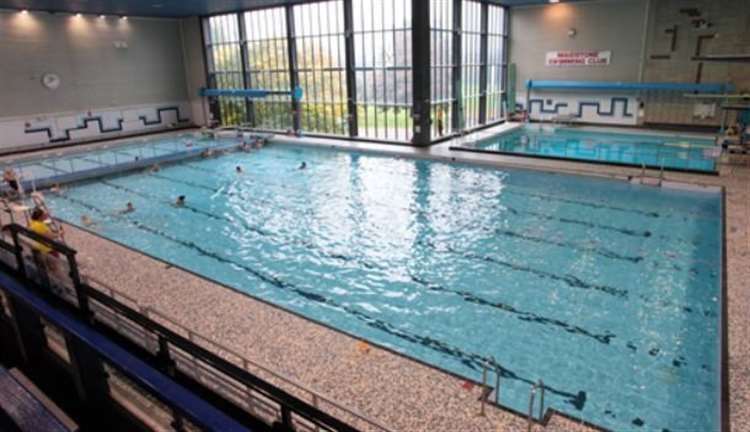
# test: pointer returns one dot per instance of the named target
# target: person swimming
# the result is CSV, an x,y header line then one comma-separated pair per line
x,y
238,169
180,201
303,165
129,208
87,221
56,189
155,168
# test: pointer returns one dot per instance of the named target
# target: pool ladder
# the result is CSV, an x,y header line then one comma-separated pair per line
x,y
538,387
659,179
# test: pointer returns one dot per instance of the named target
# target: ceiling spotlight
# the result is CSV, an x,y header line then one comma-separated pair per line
x,y
78,15
124,18
554,1
24,11
102,16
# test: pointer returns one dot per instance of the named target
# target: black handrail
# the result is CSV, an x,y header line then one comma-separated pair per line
x,y
84,292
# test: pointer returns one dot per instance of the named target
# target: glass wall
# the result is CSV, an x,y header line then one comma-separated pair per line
x,y
224,62
319,36
267,67
441,66
354,62
383,68
496,67
471,62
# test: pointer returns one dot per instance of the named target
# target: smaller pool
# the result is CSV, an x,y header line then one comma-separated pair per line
x,y
654,151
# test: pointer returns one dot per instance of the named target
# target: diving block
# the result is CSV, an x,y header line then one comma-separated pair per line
x,y
296,94
628,86
28,407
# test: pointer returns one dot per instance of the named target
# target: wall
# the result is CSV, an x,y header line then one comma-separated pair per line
x,y
730,27
634,30
105,90
615,25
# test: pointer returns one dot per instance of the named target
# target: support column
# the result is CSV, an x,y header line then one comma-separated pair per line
x,y
420,39
293,74
351,80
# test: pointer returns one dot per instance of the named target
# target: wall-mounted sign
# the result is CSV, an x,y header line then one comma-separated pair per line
x,y
578,58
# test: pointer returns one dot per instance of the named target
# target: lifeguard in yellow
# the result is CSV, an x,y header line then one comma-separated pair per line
x,y
38,225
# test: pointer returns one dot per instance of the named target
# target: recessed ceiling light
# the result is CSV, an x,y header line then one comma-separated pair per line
x,y
554,1
124,18
24,11
78,15
102,16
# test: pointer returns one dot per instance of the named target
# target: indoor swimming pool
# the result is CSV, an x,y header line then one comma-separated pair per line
x,y
609,292
651,151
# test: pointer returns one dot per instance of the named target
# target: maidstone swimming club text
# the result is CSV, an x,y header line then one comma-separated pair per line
x,y
578,58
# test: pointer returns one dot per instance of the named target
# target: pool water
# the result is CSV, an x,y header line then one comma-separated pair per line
x,y
607,291
652,151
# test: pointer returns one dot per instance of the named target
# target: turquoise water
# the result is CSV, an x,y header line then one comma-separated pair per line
x,y
607,291
626,149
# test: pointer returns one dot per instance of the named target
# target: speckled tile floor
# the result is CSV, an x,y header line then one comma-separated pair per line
x,y
393,390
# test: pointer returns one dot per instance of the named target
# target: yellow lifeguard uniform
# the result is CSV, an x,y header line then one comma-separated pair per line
x,y
40,228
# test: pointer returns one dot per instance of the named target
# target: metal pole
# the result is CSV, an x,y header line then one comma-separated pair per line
x,y
484,386
351,81
530,417
541,399
293,67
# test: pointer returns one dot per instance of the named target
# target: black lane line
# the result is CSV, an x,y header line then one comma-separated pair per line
x,y
471,360
469,297
586,203
624,231
252,228
570,280
507,233
593,225
569,245
522,315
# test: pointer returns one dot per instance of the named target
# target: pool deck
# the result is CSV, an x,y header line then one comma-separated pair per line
x,y
400,393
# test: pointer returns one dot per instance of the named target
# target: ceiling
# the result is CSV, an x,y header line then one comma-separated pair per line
x,y
168,8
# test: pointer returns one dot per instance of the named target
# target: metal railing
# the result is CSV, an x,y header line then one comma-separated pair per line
x,y
536,387
274,398
35,172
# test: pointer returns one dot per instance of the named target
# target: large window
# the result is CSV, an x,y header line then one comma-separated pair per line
x,y
496,67
383,68
225,69
267,58
441,66
354,61
319,31
471,62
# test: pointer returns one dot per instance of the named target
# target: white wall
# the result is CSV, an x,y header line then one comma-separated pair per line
x,y
105,90
614,25
633,30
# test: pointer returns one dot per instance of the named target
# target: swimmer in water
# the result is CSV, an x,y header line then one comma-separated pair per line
x,y
238,169
87,221
129,208
56,189
303,165
180,201
155,168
